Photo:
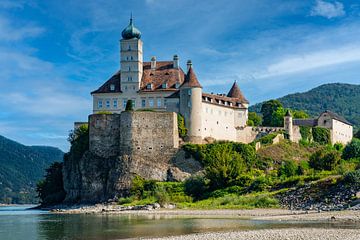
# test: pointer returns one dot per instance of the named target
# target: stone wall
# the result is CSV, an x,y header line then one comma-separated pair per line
x,y
122,146
104,134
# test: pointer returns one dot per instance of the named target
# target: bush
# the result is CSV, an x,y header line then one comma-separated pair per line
x,y
260,184
305,133
129,105
196,187
303,167
288,169
324,160
79,140
104,112
181,126
321,135
352,178
352,150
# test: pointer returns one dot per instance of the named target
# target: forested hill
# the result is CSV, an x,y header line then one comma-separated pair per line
x,y
340,98
21,167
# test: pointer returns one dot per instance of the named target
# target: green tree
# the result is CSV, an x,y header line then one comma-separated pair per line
x,y
268,109
321,135
299,114
129,105
181,126
224,167
79,140
254,119
352,150
277,119
51,190
357,134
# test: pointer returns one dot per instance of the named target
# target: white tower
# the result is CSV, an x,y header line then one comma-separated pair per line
x,y
131,59
191,105
288,125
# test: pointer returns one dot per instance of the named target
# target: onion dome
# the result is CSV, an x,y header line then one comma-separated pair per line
x,y
130,31
191,79
235,92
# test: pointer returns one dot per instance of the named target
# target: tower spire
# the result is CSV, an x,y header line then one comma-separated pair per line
x,y
131,18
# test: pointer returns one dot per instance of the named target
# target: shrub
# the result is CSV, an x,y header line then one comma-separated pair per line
x,y
137,187
181,126
303,167
129,105
104,112
305,133
268,139
287,169
79,140
352,178
196,187
254,119
260,184
321,135
352,150
324,160
247,152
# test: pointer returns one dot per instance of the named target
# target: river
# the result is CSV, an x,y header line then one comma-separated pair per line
x,y
18,223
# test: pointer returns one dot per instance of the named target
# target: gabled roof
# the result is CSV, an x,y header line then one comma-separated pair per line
x,y
163,73
336,117
235,92
105,88
191,79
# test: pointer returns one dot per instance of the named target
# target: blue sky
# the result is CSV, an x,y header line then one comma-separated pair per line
x,y
54,53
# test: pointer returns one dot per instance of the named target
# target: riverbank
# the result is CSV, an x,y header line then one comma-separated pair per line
x,y
272,234
256,214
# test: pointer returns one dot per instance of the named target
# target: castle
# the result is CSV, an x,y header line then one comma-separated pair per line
x,y
164,86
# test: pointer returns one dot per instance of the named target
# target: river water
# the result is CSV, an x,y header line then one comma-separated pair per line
x,y
18,223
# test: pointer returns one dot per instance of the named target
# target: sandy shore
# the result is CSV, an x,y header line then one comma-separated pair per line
x,y
276,234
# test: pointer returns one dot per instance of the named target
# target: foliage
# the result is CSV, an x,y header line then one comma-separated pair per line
x,y
50,190
269,111
324,159
254,119
104,112
352,150
288,169
357,134
181,126
352,177
79,140
306,133
196,186
129,105
268,139
343,99
224,167
299,114
303,167
21,167
277,119
321,135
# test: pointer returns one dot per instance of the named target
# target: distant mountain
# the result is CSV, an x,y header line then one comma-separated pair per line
x,y
343,99
21,167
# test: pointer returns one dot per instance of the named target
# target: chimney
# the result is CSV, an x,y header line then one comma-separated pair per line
x,y
176,61
153,63
189,64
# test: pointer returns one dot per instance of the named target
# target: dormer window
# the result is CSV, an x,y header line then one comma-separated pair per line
x,y
149,86
112,87
164,86
177,85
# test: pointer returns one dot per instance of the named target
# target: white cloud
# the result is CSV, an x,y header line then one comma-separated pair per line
x,y
309,61
328,9
11,32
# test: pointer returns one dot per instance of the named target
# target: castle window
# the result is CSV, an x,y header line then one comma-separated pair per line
x,y
129,48
133,101
107,103
124,103
164,86
100,104
143,103
189,92
129,79
131,58
115,103
189,103
127,58
159,102
149,86
165,103
112,87
151,102
129,69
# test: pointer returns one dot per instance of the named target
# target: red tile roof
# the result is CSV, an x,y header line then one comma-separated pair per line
x,y
114,80
235,92
191,79
164,73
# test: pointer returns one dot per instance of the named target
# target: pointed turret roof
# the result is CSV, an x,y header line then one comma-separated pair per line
x,y
288,113
235,92
191,79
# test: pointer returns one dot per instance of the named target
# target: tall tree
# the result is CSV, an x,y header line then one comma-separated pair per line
x,y
268,109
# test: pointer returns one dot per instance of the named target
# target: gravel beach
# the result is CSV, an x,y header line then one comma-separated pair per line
x,y
275,234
